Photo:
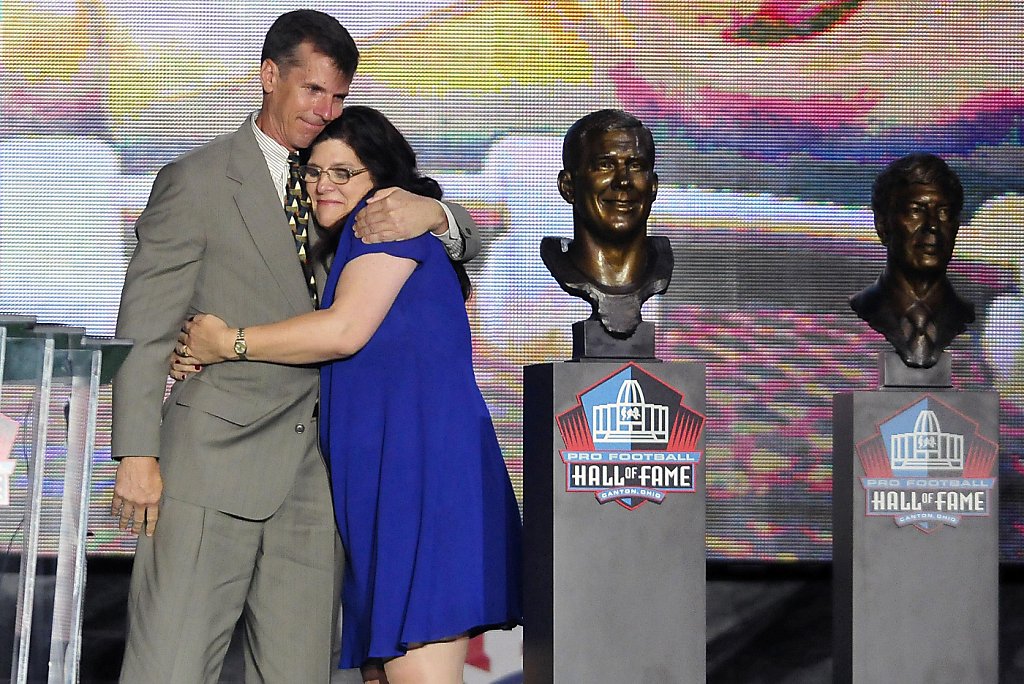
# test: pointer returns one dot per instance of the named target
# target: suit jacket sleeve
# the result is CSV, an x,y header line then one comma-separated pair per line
x,y
158,288
468,229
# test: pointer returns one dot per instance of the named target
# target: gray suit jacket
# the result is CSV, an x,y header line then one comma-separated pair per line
x,y
213,238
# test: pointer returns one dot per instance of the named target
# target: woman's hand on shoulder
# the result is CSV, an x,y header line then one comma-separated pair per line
x,y
395,214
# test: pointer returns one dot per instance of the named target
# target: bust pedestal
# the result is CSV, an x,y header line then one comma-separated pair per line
x,y
590,341
613,514
915,530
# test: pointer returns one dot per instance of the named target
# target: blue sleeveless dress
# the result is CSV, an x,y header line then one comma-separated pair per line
x,y
422,497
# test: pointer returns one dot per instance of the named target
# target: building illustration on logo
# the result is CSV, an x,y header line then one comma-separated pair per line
x,y
630,417
928,466
630,439
927,446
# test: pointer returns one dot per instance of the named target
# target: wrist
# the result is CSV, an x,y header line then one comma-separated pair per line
x,y
235,345
440,227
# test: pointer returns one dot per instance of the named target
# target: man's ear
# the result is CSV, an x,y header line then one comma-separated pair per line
x,y
269,73
565,186
654,186
881,230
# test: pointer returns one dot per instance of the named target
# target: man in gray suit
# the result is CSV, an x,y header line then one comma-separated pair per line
x,y
229,462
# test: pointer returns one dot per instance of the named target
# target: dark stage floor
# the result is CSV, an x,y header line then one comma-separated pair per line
x,y
766,624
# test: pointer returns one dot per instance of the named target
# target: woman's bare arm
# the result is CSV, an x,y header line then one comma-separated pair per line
x,y
366,290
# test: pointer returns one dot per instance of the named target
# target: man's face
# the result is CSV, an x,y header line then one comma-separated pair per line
x,y
298,102
919,229
614,186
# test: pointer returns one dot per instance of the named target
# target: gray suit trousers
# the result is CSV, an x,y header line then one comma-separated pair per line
x,y
203,569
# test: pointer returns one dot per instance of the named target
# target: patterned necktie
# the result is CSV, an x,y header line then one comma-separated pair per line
x,y
296,208
919,331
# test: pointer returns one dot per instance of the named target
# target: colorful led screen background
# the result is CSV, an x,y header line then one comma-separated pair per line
x,y
771,120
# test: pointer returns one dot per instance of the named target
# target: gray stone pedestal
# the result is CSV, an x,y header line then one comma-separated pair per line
x,y
613,505
915,532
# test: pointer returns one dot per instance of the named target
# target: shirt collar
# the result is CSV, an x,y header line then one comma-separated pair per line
x,y
275,153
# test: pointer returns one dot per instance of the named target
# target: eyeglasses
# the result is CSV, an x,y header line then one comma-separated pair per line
x,y
337,174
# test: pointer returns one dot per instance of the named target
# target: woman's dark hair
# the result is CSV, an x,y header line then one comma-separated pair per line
x,y
391,162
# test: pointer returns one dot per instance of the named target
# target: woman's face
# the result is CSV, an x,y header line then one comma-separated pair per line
x,y
331,201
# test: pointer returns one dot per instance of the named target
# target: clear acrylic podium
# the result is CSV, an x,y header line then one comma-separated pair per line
x,y
40,366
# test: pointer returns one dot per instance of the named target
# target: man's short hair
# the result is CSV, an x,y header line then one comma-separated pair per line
x,y
322,31
601,121
915,169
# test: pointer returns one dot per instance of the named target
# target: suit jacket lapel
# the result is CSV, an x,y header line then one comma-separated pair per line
x,y
263,216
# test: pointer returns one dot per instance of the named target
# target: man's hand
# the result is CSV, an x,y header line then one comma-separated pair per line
x,y
137,490
395,214
182,367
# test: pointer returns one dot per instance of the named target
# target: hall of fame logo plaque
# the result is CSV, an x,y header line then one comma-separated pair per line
x,y
928,466
630,439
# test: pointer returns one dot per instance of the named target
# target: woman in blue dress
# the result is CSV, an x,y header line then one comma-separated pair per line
x,y
422,497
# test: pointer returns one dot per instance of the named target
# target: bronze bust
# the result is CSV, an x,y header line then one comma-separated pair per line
x,y
916,203
608,177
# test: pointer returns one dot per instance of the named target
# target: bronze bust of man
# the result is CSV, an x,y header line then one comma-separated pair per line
x,y
917,202
608,177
